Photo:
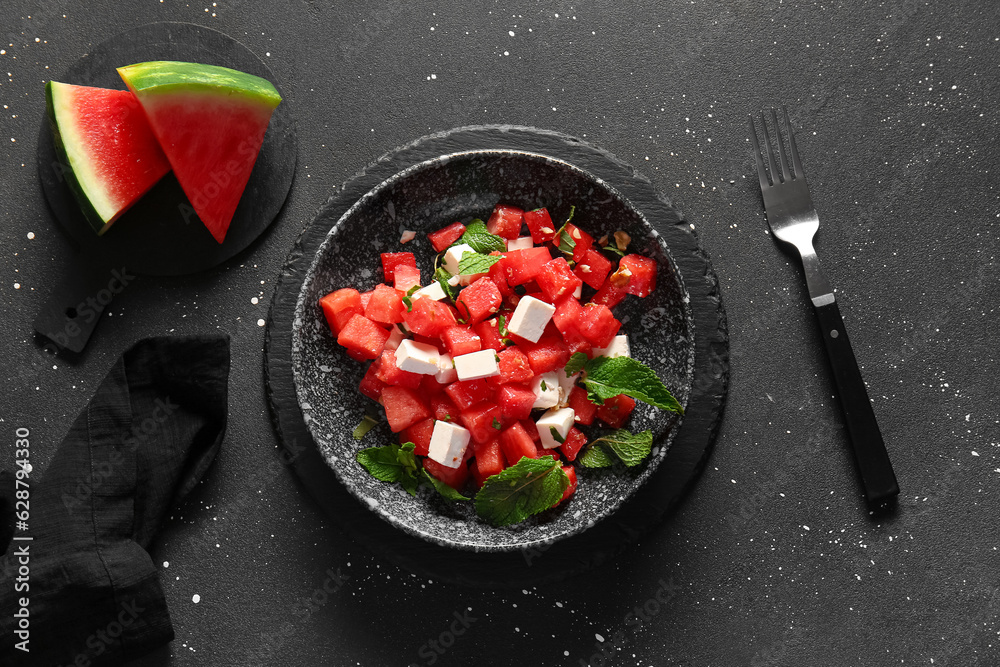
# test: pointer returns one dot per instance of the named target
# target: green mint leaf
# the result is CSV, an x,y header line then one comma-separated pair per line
x,y
566,242
613,250
555,435
528,487
447,492
473,263
408,302
367,424
544,386
631,448
412,290
401,328
496,423
442,276
502,326
606,378
575,363
388,463
479,238
596,456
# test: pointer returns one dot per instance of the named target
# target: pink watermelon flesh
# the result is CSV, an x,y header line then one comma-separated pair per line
x,y
109,146
211,141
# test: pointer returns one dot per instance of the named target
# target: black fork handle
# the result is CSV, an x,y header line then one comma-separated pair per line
x,y
877,476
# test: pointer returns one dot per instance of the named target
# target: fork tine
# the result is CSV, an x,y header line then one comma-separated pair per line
x,y
770,150
761,174
796,165
785,176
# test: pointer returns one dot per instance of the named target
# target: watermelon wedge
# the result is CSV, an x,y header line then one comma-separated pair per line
x,y
109,155
210,122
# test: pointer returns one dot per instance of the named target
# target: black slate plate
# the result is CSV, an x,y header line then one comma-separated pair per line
x,y
538,560
160,235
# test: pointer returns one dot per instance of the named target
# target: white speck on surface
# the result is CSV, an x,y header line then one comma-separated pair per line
x,y
255,301
196,598
598,637
261,322
166,563
17,285
510,32
31,235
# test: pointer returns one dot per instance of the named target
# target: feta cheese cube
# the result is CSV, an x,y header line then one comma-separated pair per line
x,y
448,443
530,317
475,365
559,420
618,348
395,338
446,370
546,388
453,255
433,291
416,357
566,385
520,243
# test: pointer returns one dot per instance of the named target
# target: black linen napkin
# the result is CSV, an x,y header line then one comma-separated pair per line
x,y
144,441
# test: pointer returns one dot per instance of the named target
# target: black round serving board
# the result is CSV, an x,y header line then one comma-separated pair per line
x,y
662,491
160,234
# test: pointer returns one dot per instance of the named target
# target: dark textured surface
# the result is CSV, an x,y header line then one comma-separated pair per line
x,y
771,559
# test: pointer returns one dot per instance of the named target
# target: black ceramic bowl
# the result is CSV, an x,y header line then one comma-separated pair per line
x,y
424,198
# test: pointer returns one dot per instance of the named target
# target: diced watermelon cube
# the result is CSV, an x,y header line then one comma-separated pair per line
x,y
557,280
390,260
514,366
366,298
483,421
543,452
430,386
429,317
516,443
420,435
531,429
643,280
571,488
479,300
522,266
444,237
609,294
443,409
575,440
489,334
461,340
385,306
339,306
453,477
505,221
597,324
406,277
466,393
567,313
593,269
540,225
616,410
433,341
489,457
575,342
391,374
579,239
499,278
403,408
370,385
584,408
548,354
363,337
515,401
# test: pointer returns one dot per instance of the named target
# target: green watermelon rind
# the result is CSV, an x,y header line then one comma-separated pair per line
x,y
170,76
66,169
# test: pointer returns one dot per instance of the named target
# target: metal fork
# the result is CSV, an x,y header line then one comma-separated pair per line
x,y
793,220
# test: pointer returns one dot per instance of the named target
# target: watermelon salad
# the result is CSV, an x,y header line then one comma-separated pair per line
x,y
494,370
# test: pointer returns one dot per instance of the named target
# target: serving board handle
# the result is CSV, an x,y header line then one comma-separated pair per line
x,y
75,306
